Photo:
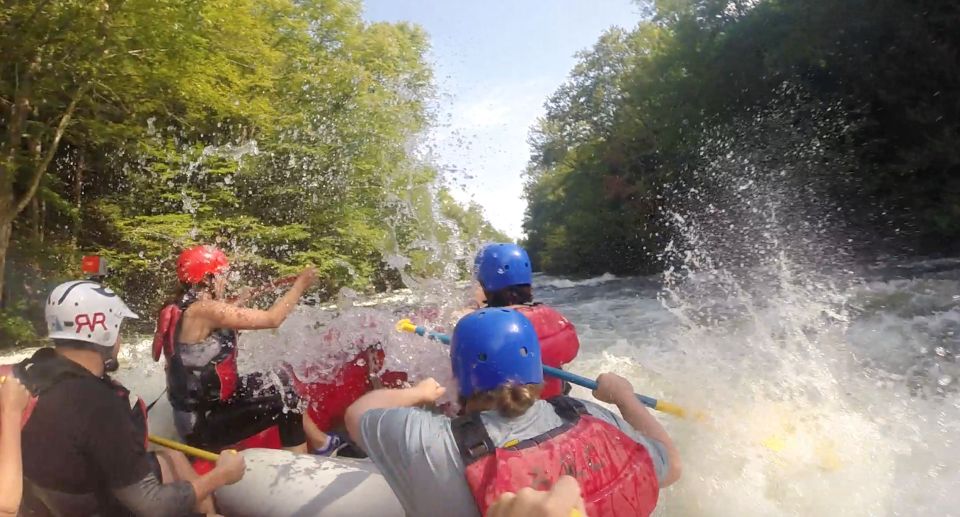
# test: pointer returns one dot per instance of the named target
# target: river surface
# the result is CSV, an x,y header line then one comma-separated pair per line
x,y
820,393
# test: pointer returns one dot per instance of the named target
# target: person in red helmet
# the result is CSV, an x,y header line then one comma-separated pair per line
x,y
214,406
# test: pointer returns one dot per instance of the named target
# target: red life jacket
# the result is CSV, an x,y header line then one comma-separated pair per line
x,y
194,386
559,343
616,474
45,369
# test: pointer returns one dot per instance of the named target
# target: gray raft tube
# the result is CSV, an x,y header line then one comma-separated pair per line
x,y
278,483
282,484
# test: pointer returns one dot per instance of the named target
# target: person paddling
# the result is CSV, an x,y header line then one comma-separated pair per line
x,y
505,276
85,435
508,439
214,406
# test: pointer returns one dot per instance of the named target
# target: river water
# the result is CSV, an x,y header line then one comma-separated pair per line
x,y
819,400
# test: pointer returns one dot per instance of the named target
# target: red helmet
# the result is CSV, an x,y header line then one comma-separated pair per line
x,y
197,262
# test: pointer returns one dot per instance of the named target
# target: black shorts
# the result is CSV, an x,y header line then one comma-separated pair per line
x,y
254,407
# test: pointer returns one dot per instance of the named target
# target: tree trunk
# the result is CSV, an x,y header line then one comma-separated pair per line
x,y
10,206
6,226
43,220
78,199
35,218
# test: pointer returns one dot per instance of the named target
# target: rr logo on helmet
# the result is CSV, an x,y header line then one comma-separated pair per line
x,y
82,320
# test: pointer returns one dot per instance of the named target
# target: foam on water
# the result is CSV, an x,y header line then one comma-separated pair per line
x,y
563,283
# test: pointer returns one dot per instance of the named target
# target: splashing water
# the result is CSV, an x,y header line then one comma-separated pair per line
x,y
761,323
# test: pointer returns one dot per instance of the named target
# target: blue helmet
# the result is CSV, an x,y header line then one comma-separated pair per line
x,y
492,347
503,265
477,260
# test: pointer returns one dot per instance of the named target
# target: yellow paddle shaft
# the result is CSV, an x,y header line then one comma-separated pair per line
x,y
186,449
673,409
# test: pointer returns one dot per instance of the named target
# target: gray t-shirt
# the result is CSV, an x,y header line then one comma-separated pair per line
x,y
417,454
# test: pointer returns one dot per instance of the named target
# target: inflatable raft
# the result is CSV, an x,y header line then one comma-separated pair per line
x,y
282,484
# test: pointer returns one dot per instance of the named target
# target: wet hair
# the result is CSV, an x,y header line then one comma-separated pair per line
x,y
511,400
512,295
183,288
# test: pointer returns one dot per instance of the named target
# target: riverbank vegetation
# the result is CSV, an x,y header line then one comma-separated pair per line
x,y
281,130
622,144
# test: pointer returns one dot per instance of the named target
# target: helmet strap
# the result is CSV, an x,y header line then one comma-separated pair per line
x,y
109,363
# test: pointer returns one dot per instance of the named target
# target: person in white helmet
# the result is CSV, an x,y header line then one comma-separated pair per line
x,y
85,441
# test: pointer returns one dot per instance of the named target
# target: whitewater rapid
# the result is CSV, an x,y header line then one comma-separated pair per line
x,y
818,400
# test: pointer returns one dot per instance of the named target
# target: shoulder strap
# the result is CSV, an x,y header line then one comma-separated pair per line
x,y
45,369
186,301
568,409
472,438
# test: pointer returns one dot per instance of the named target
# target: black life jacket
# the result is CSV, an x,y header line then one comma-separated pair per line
x,y
39,374
192,385
45,369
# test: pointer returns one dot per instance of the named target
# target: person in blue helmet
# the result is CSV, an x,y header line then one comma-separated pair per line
x,y
504,273
507,438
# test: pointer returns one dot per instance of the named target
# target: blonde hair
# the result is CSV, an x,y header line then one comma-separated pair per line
x,y
511,400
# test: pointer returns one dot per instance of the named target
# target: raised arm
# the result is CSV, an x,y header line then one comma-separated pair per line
x,y
224,315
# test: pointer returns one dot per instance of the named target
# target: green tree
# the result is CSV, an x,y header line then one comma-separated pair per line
x,y
623,140
281,130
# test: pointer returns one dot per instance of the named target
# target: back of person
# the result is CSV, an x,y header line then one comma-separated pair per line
x,y
430,456
77,442
508,439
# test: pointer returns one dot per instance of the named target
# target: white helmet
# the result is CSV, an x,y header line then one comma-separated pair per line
x,y
86,311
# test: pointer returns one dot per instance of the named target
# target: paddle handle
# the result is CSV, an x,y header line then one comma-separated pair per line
x,y
186,449
443,338
407,326
591,384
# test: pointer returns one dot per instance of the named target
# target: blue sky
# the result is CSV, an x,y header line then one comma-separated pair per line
x,y
496,62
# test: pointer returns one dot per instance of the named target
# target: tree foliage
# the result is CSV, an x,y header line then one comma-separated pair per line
x,y
281,130
622,138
